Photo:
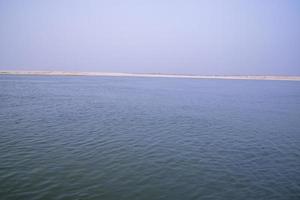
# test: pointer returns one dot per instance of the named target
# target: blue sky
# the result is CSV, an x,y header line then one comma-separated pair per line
x,y
164,36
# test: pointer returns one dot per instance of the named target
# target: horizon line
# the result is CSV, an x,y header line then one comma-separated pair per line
x,y
153,75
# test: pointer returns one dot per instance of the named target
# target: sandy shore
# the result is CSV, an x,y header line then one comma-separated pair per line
x,y
64,73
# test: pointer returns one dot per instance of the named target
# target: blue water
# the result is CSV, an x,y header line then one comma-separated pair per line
x,y
148,138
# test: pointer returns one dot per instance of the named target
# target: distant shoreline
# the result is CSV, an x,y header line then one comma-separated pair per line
x,y
233,77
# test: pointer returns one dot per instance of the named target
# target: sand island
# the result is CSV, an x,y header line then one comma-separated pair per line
x,y
231,77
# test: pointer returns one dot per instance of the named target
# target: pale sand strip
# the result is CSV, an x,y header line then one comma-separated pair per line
x,y
63,73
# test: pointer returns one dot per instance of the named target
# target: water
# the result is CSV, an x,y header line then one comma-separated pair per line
x,y
148,138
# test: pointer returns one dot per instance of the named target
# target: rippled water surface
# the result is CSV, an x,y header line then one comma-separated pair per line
x,y
148,138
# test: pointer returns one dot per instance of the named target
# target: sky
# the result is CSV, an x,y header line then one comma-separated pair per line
x,y
209,37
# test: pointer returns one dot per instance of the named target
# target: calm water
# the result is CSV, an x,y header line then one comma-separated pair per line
x,y
148,138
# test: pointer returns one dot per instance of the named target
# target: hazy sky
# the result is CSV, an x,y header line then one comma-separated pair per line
x,y
166,36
